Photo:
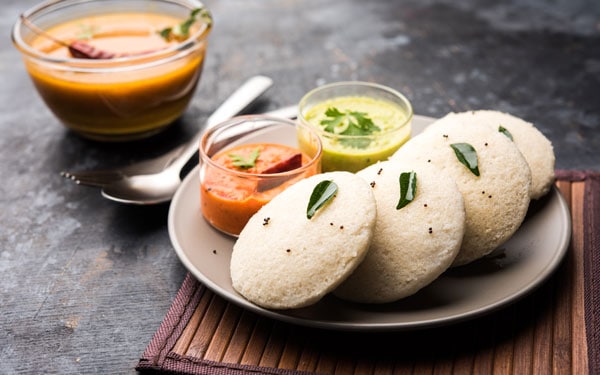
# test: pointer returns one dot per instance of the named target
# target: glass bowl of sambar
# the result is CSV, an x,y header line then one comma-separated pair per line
x,y
115,70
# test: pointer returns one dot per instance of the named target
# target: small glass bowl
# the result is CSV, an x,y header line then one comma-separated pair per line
x,y
390,111
115,99
229,197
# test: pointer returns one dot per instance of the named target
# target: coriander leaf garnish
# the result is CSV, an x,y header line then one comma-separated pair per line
x,y
181,31
245,162
166,33
467,155
349,123
505,131
408,188
86,31
323,192
335,124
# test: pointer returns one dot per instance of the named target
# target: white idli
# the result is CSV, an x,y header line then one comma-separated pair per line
x,y
496,201
283,260
412,245
535,147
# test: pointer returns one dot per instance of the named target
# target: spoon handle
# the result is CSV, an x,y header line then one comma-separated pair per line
x,y
245,95
240,99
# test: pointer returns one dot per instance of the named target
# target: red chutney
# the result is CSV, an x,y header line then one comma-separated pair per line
x,y
230,196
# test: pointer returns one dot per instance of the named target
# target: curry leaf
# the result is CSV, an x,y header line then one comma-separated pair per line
x,y
467,155
505,131
323,192
408,188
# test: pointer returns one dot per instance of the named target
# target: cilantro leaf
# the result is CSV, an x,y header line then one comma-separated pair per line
x,y
181,31
336,122
166,32
245,162
87,32
351,123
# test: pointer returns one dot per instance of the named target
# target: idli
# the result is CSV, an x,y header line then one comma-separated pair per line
x,y
533,144
283,260
491,174
414,244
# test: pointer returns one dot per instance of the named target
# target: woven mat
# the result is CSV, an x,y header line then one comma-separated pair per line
x,y
555,329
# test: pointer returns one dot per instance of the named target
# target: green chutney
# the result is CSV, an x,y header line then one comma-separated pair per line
x,y
355,152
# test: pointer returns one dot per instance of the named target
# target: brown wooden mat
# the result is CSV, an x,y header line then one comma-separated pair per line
x,y
556,329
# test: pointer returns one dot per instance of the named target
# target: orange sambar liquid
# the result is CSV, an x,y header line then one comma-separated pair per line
x,y
126,103
228,200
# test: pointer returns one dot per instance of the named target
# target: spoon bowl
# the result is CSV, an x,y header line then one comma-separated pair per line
x,y
147,189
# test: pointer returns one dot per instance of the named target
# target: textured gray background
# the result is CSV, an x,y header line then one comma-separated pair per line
x,y
85,282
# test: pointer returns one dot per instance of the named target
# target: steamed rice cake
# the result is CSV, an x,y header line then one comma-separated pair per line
x,y
412,246
284,260
497,200
533,144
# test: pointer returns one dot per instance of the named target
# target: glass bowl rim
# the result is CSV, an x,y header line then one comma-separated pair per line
x,y
371,85
205,158
125,63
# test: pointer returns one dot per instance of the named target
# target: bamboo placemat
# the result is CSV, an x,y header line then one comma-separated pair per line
x,y
555,329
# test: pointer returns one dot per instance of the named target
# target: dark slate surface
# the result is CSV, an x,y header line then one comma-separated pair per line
x,y
86,281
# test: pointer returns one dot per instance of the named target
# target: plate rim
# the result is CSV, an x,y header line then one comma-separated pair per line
x,y
540,278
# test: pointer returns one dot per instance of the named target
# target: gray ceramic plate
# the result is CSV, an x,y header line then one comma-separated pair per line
x,y
511,272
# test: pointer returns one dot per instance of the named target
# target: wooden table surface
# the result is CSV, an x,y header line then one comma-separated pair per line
x,y
85,282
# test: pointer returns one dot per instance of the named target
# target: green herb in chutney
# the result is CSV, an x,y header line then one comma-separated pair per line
x,y
408,188
505,131
352,123
245,162
323,192
467,155
181,31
